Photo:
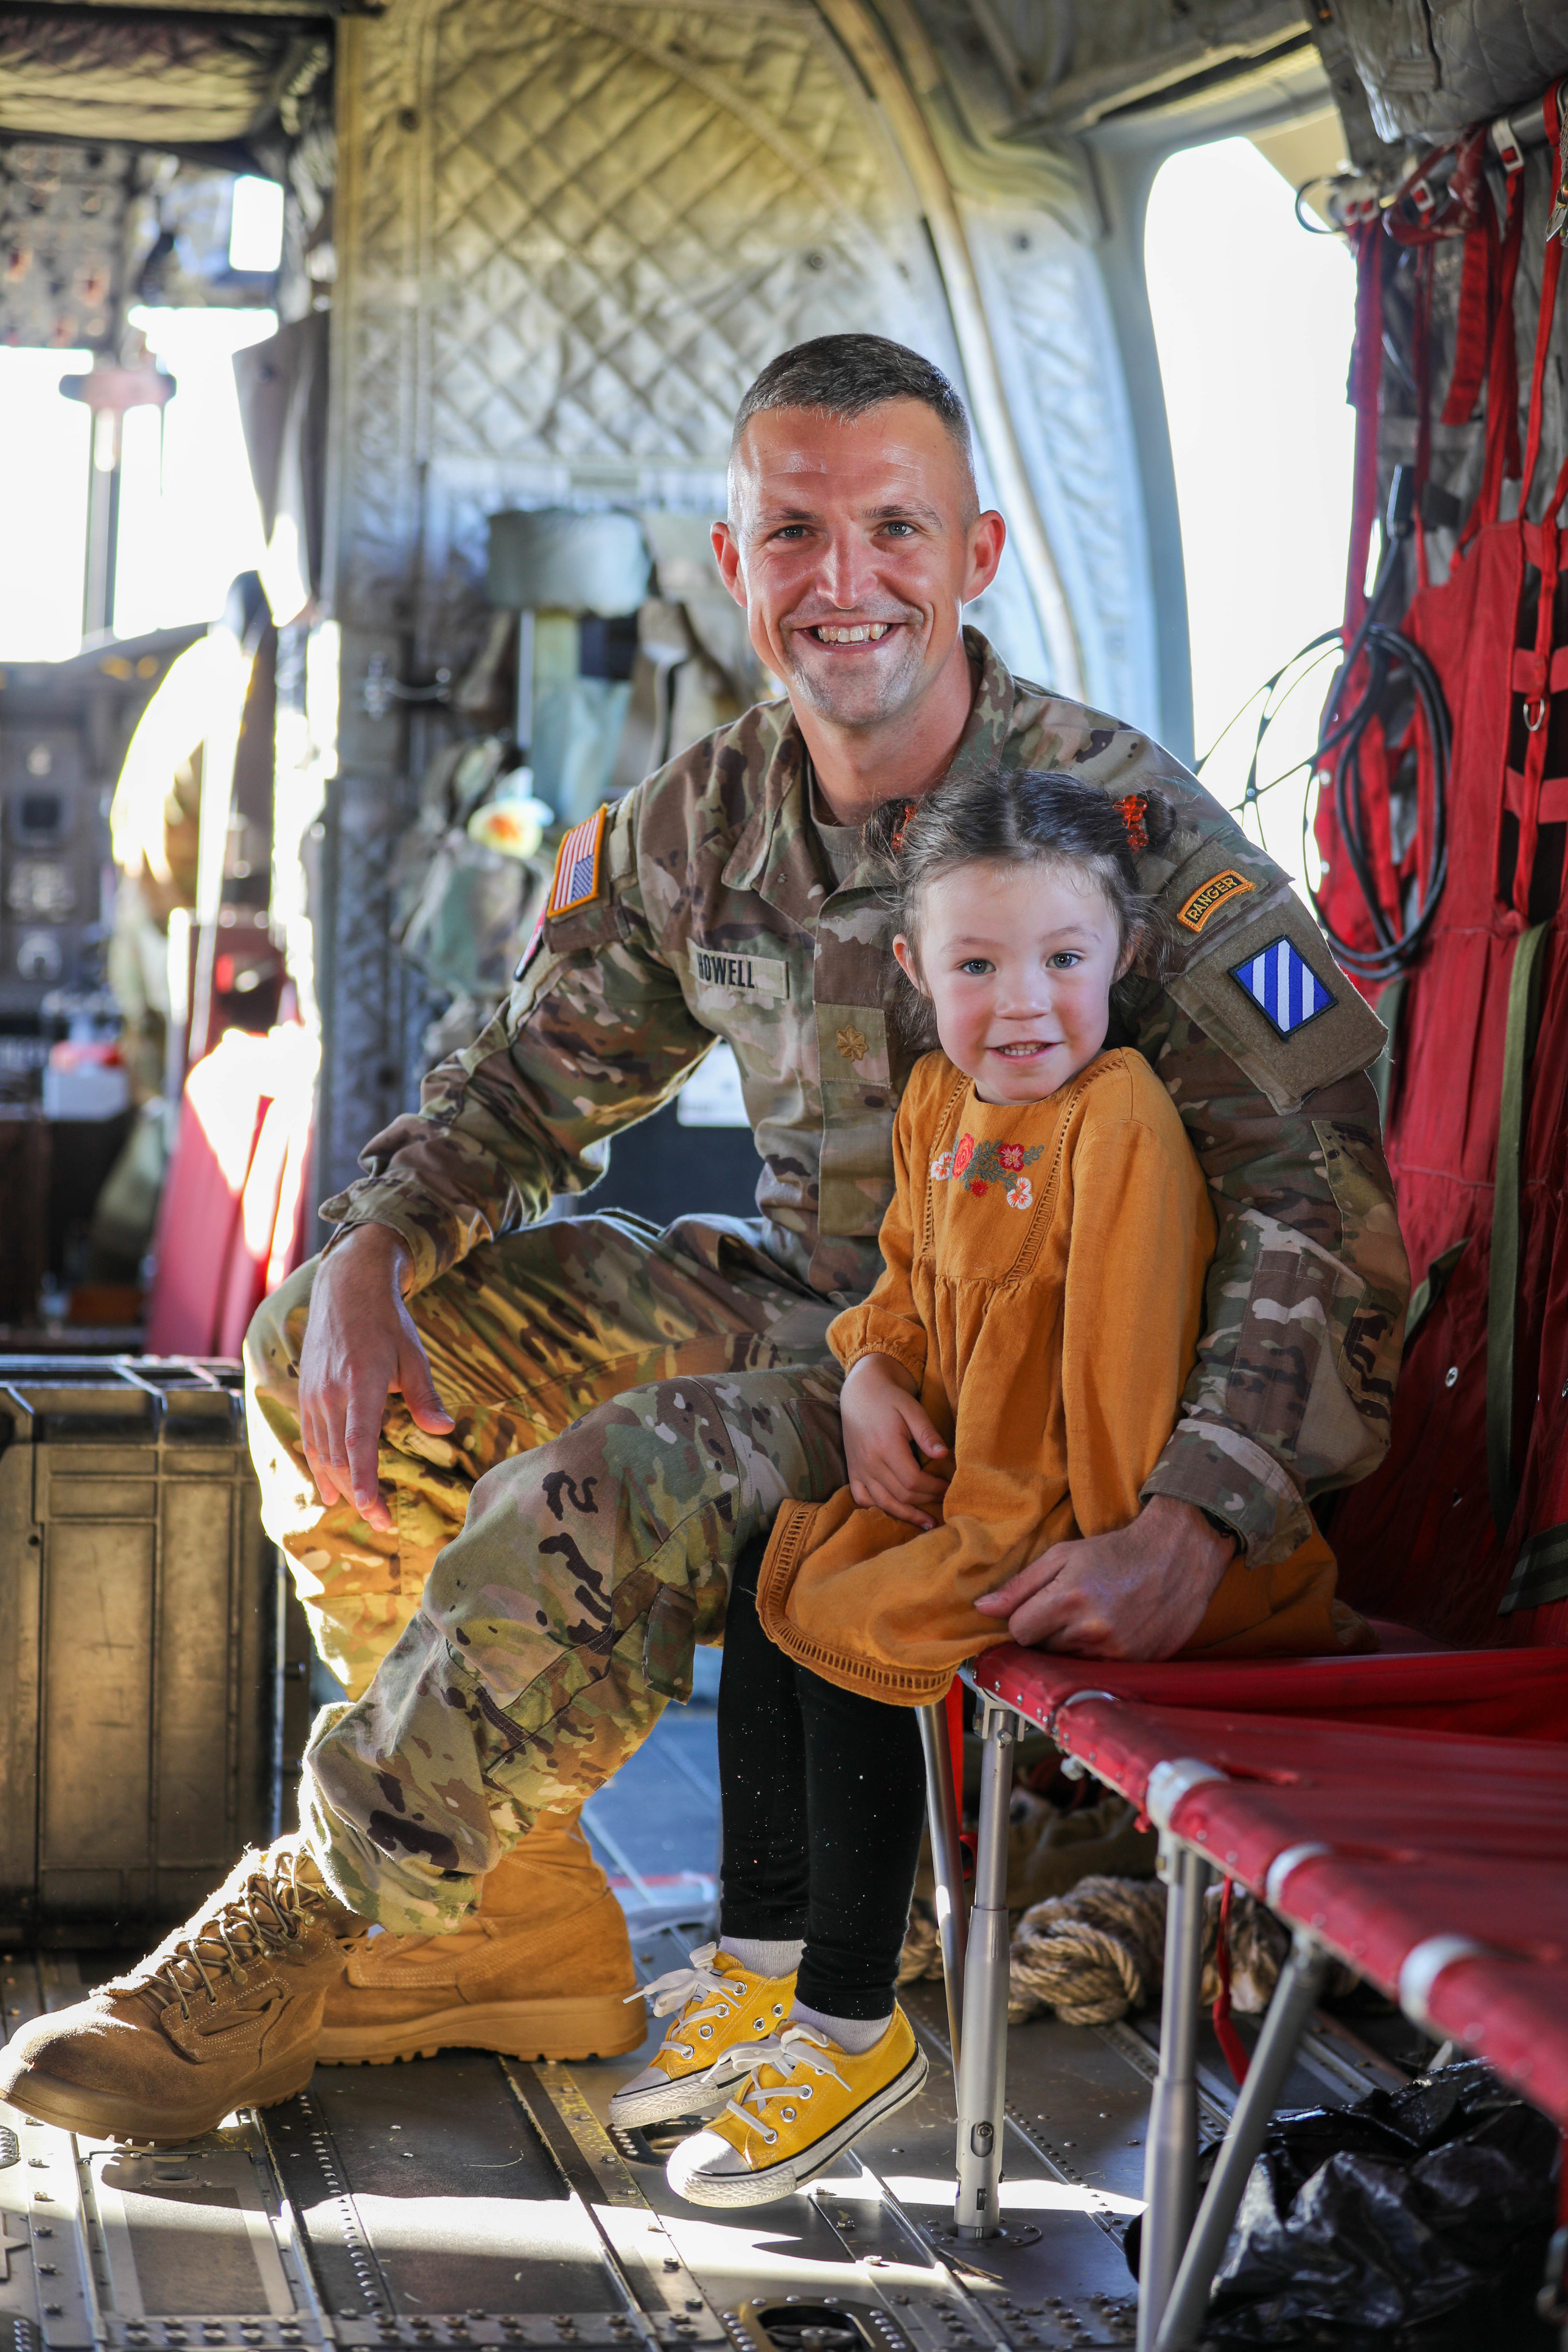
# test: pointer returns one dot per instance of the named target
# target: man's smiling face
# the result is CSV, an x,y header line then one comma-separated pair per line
x,y
854,547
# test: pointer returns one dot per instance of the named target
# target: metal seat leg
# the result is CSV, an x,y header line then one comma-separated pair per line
x,y
983,2069
947,1861
1170,2164
1299,1984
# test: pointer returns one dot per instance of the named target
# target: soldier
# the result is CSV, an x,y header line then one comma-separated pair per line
x,y
512,1606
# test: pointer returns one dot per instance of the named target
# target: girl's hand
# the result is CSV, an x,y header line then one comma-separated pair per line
x,y
883,1424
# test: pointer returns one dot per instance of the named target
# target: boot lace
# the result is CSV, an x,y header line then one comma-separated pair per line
x,y
268,1915
797,2048
681,1989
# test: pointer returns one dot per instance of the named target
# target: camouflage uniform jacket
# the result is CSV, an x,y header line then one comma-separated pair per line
x,y
714,912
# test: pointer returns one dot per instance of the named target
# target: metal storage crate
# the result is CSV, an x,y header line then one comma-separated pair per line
x,y
143,1644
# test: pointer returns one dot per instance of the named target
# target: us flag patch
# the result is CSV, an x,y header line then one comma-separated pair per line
x,y
1283,986
576,877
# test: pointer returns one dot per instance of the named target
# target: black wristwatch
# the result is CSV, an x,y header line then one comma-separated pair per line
x,y
1222,1527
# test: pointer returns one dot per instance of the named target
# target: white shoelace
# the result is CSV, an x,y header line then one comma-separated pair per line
x,y
795,2047
682,1986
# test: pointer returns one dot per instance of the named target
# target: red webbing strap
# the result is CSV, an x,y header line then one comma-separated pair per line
x,y
1225,2034
1421,357
1502,459
954,1705
1538,706
1551,270
1472,340
1366,379
1418,216
1538,694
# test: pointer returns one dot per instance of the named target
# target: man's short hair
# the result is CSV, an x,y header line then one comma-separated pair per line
x,y
842,377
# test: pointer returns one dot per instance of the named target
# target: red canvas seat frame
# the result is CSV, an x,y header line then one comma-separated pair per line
x,y
1408,1814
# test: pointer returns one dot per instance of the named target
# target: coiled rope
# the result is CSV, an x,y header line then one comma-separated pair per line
x,y
1092,1954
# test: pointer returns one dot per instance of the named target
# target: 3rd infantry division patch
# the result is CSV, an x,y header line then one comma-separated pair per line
x,y
1283,986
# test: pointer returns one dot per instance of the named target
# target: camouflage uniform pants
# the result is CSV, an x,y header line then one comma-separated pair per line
x,y
631,1410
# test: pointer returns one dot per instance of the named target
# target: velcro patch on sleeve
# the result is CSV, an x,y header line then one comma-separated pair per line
x,y
1272,998
579,866
1211,895
1284,986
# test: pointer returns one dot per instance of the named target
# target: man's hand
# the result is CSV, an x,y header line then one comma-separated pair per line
x,y
883,1424
360,1345
1140,1592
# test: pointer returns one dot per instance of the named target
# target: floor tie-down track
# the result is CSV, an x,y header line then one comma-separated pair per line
x,y
466,2200
470,2201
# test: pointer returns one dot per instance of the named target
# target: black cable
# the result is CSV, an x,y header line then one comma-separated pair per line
x,y
1319,180
1397,946
1266,716
1385,650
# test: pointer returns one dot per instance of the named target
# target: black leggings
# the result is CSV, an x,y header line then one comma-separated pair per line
x,y
824,1802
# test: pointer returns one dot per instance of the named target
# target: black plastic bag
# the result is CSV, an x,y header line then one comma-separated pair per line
x,y
1415,2217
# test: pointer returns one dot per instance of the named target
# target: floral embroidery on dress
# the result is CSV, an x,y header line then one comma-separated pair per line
x,y
1021,1195
942,1168
978,1166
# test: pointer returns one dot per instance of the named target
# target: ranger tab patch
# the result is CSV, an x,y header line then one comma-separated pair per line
x,y
576,880
1283,986
1211,895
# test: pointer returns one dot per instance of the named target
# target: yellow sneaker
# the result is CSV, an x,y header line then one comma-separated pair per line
x,y
804,2100
720,2006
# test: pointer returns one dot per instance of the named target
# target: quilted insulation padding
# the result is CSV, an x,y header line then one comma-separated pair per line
x,y
569,233
575,232
1433,66
168,82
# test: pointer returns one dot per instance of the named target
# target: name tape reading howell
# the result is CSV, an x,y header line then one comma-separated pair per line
x,y
744,975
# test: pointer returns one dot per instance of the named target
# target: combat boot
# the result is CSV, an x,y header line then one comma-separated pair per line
x,y
543,1969
223,2015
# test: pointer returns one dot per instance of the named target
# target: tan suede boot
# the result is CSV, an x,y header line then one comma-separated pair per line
x,y
223,2015
542,1969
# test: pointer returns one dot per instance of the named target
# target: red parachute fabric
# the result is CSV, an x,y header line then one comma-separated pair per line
x,y
1339,901
1417,1541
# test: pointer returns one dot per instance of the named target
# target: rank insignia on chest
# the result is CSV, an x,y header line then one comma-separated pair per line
x,y
577,862
852,1044
1283,986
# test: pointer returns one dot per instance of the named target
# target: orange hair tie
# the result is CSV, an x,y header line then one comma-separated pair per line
x,y
895,840
1133,811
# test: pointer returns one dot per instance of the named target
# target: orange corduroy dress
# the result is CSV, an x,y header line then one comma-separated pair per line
x,y
1043,1283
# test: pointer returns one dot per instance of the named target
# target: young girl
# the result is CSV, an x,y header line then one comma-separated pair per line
x,y
1032,1331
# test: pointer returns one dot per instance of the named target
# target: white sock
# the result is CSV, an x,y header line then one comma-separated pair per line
x,y
855,2034
768,1959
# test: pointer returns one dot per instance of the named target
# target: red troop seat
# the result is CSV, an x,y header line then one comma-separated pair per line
x,y
1407,1814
